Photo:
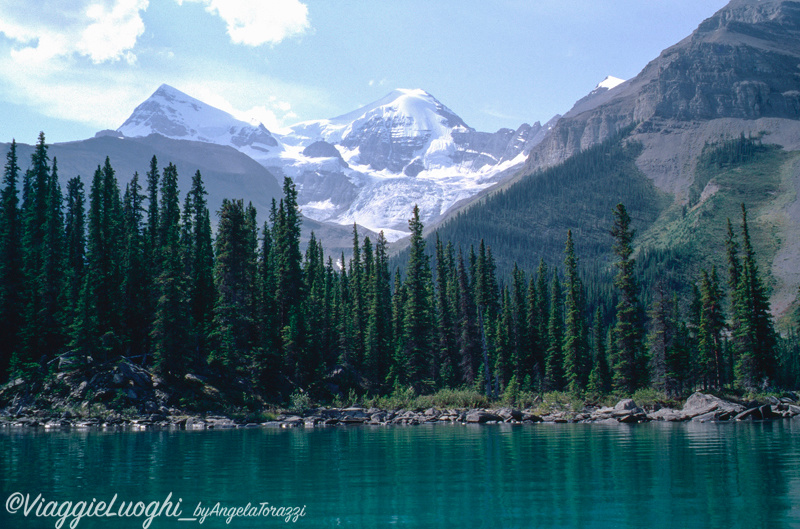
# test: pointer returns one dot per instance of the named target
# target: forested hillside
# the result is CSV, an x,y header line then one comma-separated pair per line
x,y
97,275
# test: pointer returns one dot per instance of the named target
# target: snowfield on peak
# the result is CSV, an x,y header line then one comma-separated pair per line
x,y
609,82
173,114
369,166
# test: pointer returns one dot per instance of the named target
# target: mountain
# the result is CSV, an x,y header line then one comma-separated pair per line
x,y
369,166
227,173
739,64
173,114
729,87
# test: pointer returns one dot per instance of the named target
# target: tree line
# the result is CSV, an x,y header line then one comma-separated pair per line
x,y
133,274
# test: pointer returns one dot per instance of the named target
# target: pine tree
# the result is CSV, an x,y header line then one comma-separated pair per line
x,y
316,315
35,332
233,316
661,337
468,340
503,345
554,360
712,325
574,343
599,378
11,273
357,318
199,267
444,362
288,259
541,318
520,334
627,331
379,317
99,328
417,312
169,332
75,240
754,338
135,284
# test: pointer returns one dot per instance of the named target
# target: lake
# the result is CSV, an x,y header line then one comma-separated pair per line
x,y
533,476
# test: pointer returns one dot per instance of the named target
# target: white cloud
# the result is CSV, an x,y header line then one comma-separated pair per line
x,y
257,22
102,30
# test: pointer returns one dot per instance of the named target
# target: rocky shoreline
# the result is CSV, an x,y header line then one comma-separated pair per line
x,y
699,407
122,395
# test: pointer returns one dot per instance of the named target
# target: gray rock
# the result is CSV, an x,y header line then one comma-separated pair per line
x,y
701,404
509,414
481,416
195,423
531,417
666,414
626,404
712,416
752,414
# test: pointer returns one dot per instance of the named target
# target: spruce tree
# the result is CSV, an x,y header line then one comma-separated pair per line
x,y
627,374
169,332
468,340
661,338
75,239
754,339
444,362
712,325
418,312
199,267
379,316
233,319
135,284
42,326
574,344
99,329
599,378
554,360
288,259
11,273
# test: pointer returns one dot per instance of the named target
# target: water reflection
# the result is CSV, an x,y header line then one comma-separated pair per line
x,y
654,475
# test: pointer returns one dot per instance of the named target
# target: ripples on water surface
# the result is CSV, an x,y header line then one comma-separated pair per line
x,y
565,475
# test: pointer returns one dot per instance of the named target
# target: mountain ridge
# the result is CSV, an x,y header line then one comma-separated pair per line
x,y
369,166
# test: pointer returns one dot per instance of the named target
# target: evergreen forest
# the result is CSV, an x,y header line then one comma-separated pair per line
x,y
95,274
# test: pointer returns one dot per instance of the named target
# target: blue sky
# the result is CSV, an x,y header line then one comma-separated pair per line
x,y
73,68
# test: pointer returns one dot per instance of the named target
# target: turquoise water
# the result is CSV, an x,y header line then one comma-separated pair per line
x,y
565,475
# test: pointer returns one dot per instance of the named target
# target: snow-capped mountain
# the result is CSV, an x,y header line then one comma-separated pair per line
x,y
369,166
601,93
173,114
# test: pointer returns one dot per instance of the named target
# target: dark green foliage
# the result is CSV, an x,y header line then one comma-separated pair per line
x,y
710,368
235,279
75,240
554,359
250,311
628,360
754,339
135,285
288,259
41,331
11,273
599,378
526,221
169,332
415,350
574,349
198,267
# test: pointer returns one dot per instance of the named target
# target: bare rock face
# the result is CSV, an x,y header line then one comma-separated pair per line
x,y
700,404
740,63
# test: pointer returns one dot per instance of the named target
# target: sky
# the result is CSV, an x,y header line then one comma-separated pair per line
x,y
73,68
